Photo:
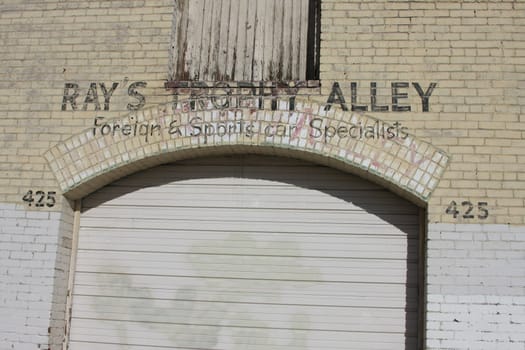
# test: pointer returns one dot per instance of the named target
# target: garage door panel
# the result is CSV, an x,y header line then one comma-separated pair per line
x,y
249,214
226,337
90,345
155,260
356,319
261,245
245,226
327,293
405,231
363,251
256,198
187,227
363,232
245,253
283,296
246,267
225,186
299,275
109,346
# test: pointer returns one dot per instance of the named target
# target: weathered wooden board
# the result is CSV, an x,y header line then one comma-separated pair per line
x,y
240,40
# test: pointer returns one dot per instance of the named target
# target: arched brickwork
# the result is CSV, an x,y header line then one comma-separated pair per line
x,y
356,143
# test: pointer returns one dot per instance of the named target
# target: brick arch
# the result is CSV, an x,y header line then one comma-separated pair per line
x,y
351,142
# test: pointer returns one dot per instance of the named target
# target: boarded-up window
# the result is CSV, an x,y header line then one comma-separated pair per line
x,y
245,40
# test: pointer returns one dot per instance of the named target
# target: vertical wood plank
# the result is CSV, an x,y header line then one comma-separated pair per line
x,y
206,44
213,73
232,40
287,40
303,35
181,41
174,42
268,39
250,36
295,38
258,56
194,38
223,40
277,49
241,40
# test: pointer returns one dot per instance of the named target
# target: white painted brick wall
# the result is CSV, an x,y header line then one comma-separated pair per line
x,y
28,246
475,287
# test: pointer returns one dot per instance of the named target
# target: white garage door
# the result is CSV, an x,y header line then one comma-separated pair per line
x,y
245,253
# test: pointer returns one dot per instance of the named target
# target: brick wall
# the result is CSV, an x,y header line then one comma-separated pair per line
x,y
475,287
28,247
473,50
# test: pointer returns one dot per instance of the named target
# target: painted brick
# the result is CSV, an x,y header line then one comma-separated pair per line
x,y
28,303
474,50
475,293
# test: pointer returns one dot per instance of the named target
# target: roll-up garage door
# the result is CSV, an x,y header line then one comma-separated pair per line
x,y
245,253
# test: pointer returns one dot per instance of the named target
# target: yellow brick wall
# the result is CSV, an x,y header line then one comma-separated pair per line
x,y
46,44
473,50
